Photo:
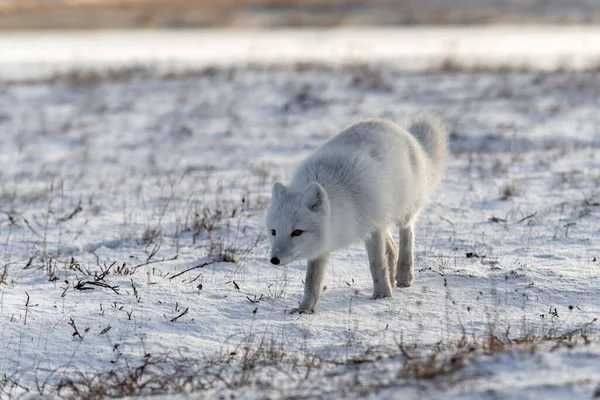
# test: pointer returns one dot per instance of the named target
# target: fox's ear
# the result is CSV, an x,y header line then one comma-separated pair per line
x,y
315,197
278,190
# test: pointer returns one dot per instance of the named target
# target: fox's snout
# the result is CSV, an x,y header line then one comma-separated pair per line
x,y
275,261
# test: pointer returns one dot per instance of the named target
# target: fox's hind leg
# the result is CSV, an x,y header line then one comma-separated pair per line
x,y
391,253
405,272
378,261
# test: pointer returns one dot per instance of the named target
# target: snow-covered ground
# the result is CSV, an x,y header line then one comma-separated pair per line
x,y
111,190
29,55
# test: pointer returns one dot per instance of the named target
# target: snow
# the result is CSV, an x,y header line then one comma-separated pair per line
x,y
29,55
147,158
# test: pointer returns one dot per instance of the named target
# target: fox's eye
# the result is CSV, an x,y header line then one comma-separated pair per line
x,y
273,232
297,232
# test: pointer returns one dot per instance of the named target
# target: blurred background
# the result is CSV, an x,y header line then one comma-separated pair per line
x,y
180,14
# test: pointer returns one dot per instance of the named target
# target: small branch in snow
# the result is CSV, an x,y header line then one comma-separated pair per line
x,y
193,268
235,285
255,299
403,349
64,293
27,306
153,252
135,292
27,302
105,330
73,213
30,261
578,330
180,315
152,262
83,285
591,203
31,228
567,226
4,273
76,331
196,278
104,273
527,217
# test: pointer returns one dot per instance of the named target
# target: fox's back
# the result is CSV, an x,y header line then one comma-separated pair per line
x,y
367,169
387,147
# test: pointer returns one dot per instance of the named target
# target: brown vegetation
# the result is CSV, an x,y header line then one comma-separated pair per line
x,y
106,14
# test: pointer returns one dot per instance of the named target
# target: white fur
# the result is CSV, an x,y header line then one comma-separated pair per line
x,y
373,175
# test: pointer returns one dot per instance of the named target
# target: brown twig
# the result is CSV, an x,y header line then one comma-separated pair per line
x,y
180,315
193,268
152,262
527,217
105,330
76,331
27,306
73,213
83,285
31,228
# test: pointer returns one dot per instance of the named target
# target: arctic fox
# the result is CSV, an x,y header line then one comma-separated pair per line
x,y
372,175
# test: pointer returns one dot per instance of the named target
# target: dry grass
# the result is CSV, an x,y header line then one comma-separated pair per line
x,y
362,76
370,78
222,251
257,357
151,234
102,14
509,190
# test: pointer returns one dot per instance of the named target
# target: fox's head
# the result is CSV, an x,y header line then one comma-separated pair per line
x,y
298,223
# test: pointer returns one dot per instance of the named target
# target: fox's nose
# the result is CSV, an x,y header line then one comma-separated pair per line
x,y
275,261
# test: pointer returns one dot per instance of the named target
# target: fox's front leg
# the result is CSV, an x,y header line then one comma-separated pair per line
x,y
313,285
378,261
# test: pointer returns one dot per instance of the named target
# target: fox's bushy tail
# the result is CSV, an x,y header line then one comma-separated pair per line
x,y
428,128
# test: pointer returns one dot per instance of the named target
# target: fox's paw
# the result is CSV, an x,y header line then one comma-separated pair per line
x,y
404,279
301,311
381,294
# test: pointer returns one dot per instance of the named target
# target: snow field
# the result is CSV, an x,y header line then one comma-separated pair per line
x,y
110,189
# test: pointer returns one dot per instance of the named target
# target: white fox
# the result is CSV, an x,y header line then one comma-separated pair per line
x,y
370,176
